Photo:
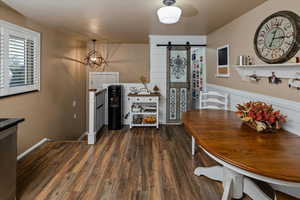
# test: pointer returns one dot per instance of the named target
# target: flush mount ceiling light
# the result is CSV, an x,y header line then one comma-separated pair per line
x,y
93,59
169,14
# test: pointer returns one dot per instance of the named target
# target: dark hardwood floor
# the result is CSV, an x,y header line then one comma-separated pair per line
x,y
136,164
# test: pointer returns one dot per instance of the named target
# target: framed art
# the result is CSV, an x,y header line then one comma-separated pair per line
x,y
223,61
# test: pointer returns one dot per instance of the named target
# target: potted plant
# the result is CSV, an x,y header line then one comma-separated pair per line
x,y
260,116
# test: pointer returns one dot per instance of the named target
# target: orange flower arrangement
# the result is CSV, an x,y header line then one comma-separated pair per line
x,y
260,116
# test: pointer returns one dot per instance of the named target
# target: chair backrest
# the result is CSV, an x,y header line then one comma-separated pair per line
x,y
213,100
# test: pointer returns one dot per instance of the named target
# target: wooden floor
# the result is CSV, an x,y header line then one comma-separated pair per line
x,y
132,164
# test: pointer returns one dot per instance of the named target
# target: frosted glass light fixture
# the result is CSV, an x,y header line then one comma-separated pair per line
x,y
169,14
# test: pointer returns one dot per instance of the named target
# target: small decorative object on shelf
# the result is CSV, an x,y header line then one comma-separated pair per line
x,y
260,116
254,77
242,60
156,89
274,79
250,60
149,120
294,83
133,90
144,90
245,61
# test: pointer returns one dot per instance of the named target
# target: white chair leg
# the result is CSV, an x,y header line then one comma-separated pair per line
x,y
193,146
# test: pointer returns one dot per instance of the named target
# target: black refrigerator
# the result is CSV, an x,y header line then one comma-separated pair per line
x,y
115,107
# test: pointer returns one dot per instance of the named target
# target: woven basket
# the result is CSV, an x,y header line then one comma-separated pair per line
x,y
253,126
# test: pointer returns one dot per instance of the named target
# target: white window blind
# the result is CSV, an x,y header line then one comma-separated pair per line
x,y
19,60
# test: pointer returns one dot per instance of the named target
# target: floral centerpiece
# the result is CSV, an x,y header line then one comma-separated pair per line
x,y
260,116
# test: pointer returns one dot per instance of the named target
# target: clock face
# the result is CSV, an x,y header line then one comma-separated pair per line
x,y
276,38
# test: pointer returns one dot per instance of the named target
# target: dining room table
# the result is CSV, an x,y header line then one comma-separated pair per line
x,y
249,162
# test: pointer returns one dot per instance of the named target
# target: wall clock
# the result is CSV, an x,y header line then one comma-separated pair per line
x,y
277,39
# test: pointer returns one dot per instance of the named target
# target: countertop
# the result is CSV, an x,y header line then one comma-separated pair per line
x,y
96,91
144,95
8,123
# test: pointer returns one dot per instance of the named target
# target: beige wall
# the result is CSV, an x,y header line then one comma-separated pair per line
x,y
239,35
49,113
130,60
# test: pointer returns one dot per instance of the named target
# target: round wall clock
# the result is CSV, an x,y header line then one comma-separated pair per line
x,y
277,39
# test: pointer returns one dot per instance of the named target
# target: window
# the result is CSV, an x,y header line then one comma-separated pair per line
x,y
19,59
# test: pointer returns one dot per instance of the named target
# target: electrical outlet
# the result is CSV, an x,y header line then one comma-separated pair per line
x,y
75,116
74,103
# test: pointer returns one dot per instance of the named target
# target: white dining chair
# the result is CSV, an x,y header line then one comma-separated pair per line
x,y
211,100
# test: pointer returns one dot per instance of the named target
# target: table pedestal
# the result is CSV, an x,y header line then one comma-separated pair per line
x,y
235,184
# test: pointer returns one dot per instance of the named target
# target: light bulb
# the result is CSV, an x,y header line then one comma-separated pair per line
x,y
93,59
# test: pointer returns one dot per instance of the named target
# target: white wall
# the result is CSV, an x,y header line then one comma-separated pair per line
x,y
158,62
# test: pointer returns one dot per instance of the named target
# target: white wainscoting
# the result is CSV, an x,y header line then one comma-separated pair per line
x,y
289,108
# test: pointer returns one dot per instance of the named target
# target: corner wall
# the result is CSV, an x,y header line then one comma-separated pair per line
x,y
49,112
239,34
130,60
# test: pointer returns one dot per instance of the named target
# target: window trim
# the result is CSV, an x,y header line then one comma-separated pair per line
x,y
7,29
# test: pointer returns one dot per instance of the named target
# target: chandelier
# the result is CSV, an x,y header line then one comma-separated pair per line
x,y
93,59
169,14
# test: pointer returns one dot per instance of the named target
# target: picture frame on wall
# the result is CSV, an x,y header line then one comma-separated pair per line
x,y
223,62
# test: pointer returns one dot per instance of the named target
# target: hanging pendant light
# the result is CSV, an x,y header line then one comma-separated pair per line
x,y
169,14
93,60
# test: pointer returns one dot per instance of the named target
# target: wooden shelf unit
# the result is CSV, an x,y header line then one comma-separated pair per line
x,y
151,100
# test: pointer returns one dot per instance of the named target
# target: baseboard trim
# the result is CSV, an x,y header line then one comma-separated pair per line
x,y
32,148
82,136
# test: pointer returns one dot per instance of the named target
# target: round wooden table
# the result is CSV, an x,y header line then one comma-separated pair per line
x,y
244,153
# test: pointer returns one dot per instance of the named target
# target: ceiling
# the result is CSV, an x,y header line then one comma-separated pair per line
x,y
131,21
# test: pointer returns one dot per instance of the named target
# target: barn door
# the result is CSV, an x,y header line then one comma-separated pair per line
x,y
178,82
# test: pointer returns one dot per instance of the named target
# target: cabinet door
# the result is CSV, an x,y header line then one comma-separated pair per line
x,y
97,116
102,116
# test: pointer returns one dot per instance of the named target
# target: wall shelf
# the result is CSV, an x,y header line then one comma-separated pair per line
x,y
287,70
